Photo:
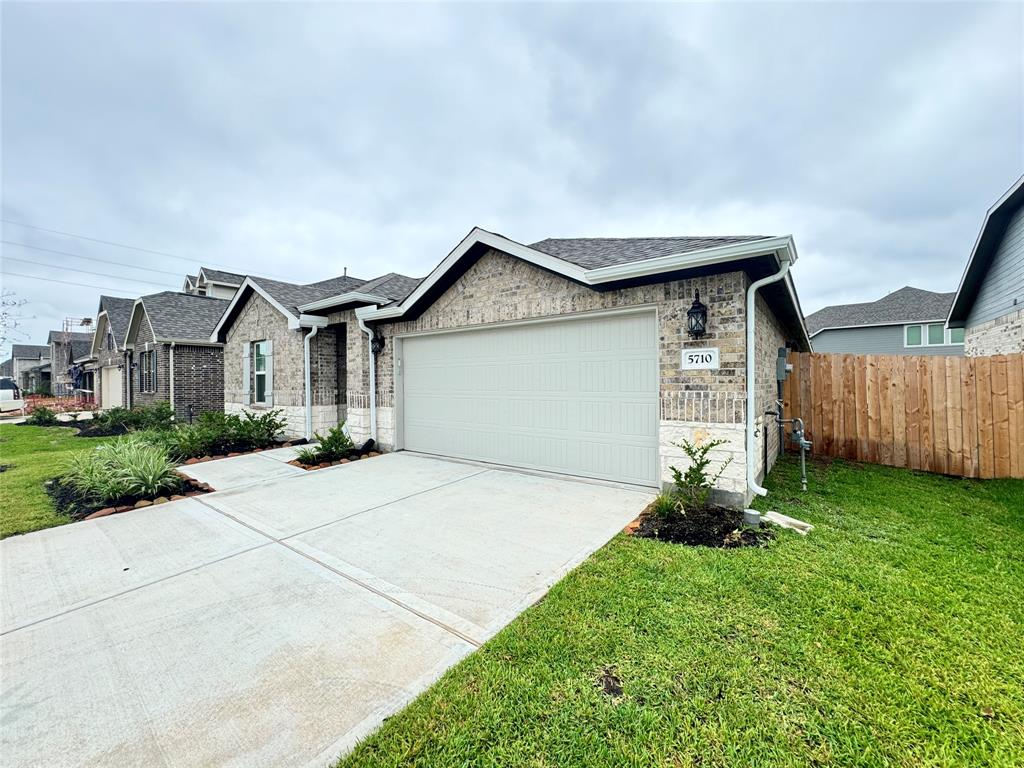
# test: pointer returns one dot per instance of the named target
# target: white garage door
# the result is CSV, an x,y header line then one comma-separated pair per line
x,y
578,396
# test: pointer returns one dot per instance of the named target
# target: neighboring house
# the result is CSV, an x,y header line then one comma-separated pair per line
x,y
214,283
989,304
65,348
566,356
38,378
264,350
910,321
25,358
112,318
170,355
7,368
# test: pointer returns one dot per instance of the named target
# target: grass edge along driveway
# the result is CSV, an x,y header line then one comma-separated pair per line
x,y
34,455
892,635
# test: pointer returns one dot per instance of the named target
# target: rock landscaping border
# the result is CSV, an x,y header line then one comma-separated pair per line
x,y
337,462
233,454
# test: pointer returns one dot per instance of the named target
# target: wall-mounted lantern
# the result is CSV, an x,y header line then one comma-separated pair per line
x,y
377,344
696,317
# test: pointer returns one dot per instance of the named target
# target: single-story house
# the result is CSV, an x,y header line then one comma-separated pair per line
x,y
65,348
265,348
989,304
108,350
587,357
7,368
170,356
910,321
24,358
38,379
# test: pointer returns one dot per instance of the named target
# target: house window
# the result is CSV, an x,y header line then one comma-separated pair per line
x,y
147,371
110,341
931,335
260,352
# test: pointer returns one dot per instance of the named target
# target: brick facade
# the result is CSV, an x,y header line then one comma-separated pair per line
x,y
1001,336
198,375
695,405
259,320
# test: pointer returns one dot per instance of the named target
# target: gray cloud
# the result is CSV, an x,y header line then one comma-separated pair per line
x,y
294,140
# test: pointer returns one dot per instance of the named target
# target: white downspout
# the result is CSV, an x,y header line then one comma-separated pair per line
x,y
171,375
786,261
373,377
314,323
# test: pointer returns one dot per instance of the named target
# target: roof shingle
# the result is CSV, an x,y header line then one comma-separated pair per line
x,y
907,305
595,252
183,316
30,351
119,314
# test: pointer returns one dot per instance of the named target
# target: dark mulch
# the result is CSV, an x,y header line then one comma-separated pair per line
x,y
708,527
69,501
87,429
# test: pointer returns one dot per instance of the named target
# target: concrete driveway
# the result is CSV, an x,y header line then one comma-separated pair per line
x,y
278,622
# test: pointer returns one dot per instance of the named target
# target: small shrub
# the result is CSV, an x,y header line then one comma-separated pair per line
x,y
335,445
125,468
694,485
42,417
258,431
666,505
159,416
308,456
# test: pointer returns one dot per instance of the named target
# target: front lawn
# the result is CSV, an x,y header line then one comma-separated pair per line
x,y
893,635
32,456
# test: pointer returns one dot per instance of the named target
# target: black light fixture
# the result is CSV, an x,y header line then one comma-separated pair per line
x,y
696,317
377,344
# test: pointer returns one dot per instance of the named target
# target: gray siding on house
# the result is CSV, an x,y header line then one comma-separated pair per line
x,y
875,340
1002,289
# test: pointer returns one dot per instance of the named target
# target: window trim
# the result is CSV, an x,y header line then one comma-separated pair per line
x,y
946,336
256,373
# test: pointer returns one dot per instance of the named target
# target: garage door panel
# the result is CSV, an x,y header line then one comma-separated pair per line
x,y
578,396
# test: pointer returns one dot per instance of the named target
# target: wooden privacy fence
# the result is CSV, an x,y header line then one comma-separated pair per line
x,y
952,415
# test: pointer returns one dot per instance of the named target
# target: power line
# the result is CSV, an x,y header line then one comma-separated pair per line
x,y
129,247
68,282
89,258
87,272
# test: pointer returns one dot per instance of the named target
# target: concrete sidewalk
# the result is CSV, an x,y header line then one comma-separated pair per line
x,y
278,622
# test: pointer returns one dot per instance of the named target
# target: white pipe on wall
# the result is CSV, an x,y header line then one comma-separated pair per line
x,y
373,377
752,483
309,381
170,375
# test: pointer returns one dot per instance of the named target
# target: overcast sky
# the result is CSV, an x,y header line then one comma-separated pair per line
x,y
294,141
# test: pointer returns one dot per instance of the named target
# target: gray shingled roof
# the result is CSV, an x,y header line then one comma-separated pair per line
x,y
81,348
594,252
391,286
30,351
907,305
119,314
60,336
291,296
219,276
183,316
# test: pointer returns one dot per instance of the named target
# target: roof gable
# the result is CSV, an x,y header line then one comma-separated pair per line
x,y
906,305
177,316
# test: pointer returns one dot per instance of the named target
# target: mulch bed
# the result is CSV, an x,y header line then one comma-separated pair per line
x,y
324,464
232,454
67,500
708,527
87,429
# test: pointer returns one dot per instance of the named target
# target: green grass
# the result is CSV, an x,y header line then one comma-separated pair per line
x,y
34,455
892,636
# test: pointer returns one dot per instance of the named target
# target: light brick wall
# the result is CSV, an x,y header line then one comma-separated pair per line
x,y
1001,336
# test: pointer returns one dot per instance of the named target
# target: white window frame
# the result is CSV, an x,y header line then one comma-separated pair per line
x,y
257,373
946,336
147,371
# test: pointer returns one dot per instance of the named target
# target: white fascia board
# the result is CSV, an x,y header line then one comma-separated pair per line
x,y
691,259
102,315
293,321
312,321
974,251
349,297
133,324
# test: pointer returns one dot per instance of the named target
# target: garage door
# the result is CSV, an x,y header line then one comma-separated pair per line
x,y
577,396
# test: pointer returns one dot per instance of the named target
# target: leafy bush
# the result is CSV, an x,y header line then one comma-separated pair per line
x,y
694,485
216,433
128,467
335,445
258,431
42,417
157,416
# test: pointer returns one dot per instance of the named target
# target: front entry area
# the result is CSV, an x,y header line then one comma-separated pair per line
x,y
111,389
575,395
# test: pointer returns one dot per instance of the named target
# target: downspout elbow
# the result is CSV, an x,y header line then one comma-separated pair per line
x,y
751,371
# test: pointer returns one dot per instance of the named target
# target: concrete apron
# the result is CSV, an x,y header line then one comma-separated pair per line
x,y
279,622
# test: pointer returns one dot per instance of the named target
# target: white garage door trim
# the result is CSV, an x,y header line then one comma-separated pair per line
x,y
653,480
